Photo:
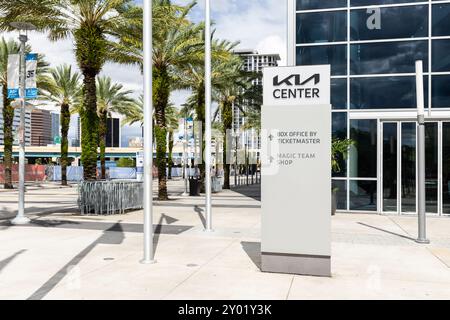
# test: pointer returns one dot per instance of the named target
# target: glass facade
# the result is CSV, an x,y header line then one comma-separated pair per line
x,y
372,46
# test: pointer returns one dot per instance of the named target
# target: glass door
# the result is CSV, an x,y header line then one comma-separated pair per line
x,y
399,167
446,168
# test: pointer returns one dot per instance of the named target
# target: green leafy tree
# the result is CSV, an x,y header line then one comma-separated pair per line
x,y
94,26
8,47
111,97
64,90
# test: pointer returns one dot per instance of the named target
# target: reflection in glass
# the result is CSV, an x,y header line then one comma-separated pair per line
x,y
320,4
336,55
339,129
388,57
340,189
371,2
441,91
431,163
408,189
395,22
390,167
339,93
441,19
321,27
446,167
385,92
441,55
363,195
363,155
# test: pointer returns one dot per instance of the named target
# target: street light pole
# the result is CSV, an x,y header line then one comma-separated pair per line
x,y
208,210
21,218
149,255
421,154
185,156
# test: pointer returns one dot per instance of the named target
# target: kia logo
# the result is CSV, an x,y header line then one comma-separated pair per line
x,y
297,80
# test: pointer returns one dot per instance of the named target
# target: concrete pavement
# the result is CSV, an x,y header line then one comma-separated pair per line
x,y
66,256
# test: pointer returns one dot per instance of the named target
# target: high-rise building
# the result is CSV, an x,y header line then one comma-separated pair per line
x,y
41,128
372,47
113,133
253,62
16,122
56,132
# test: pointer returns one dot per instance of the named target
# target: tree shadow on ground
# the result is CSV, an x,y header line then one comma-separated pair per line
x,y
253,250
251,191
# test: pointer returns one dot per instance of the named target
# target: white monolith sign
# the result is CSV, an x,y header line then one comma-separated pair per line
x,y
296,171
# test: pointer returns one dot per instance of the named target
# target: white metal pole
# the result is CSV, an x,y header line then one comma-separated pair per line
x,y
291,16
422,238
149,255
21,218
208,115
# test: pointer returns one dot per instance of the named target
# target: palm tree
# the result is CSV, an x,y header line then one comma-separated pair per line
x,y
192,77
94,25
8,47
65,90
110,98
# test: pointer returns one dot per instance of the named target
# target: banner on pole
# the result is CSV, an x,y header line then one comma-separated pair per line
x,y
31,91
13,76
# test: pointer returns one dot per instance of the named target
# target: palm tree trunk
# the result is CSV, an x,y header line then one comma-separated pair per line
x,y
65,122
227,121
102,129
89,127
161,89
170,160
200,111
8,118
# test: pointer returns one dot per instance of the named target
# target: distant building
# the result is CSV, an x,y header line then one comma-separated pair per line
x,y
135,142
113,133
253,62
41,128
16,122
56,132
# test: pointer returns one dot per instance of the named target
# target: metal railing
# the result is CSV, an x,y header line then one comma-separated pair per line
x,y
110,197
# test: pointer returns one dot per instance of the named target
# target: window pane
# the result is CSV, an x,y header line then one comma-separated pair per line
x,y
408,167
339,93
336,55
388,57
431,163
355,3
441,19
363,195
321,27
340,190
390,167
339,129
363,155
441,91
446,167
320,4
441,55
385,92
390,22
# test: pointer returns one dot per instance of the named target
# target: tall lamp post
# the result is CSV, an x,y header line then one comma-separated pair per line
x,y
22,26
149,255
208,210
421,154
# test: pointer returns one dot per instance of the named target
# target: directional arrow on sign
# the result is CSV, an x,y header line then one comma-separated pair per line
x,y
271,137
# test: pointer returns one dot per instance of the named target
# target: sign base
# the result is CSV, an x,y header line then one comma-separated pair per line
x,y
306,265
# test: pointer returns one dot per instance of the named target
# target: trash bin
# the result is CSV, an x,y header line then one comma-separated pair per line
x,y
194,187
216,184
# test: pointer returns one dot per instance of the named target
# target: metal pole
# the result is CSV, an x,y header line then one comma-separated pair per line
x,y
21,218
421,154
149,255
208,114
185,158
